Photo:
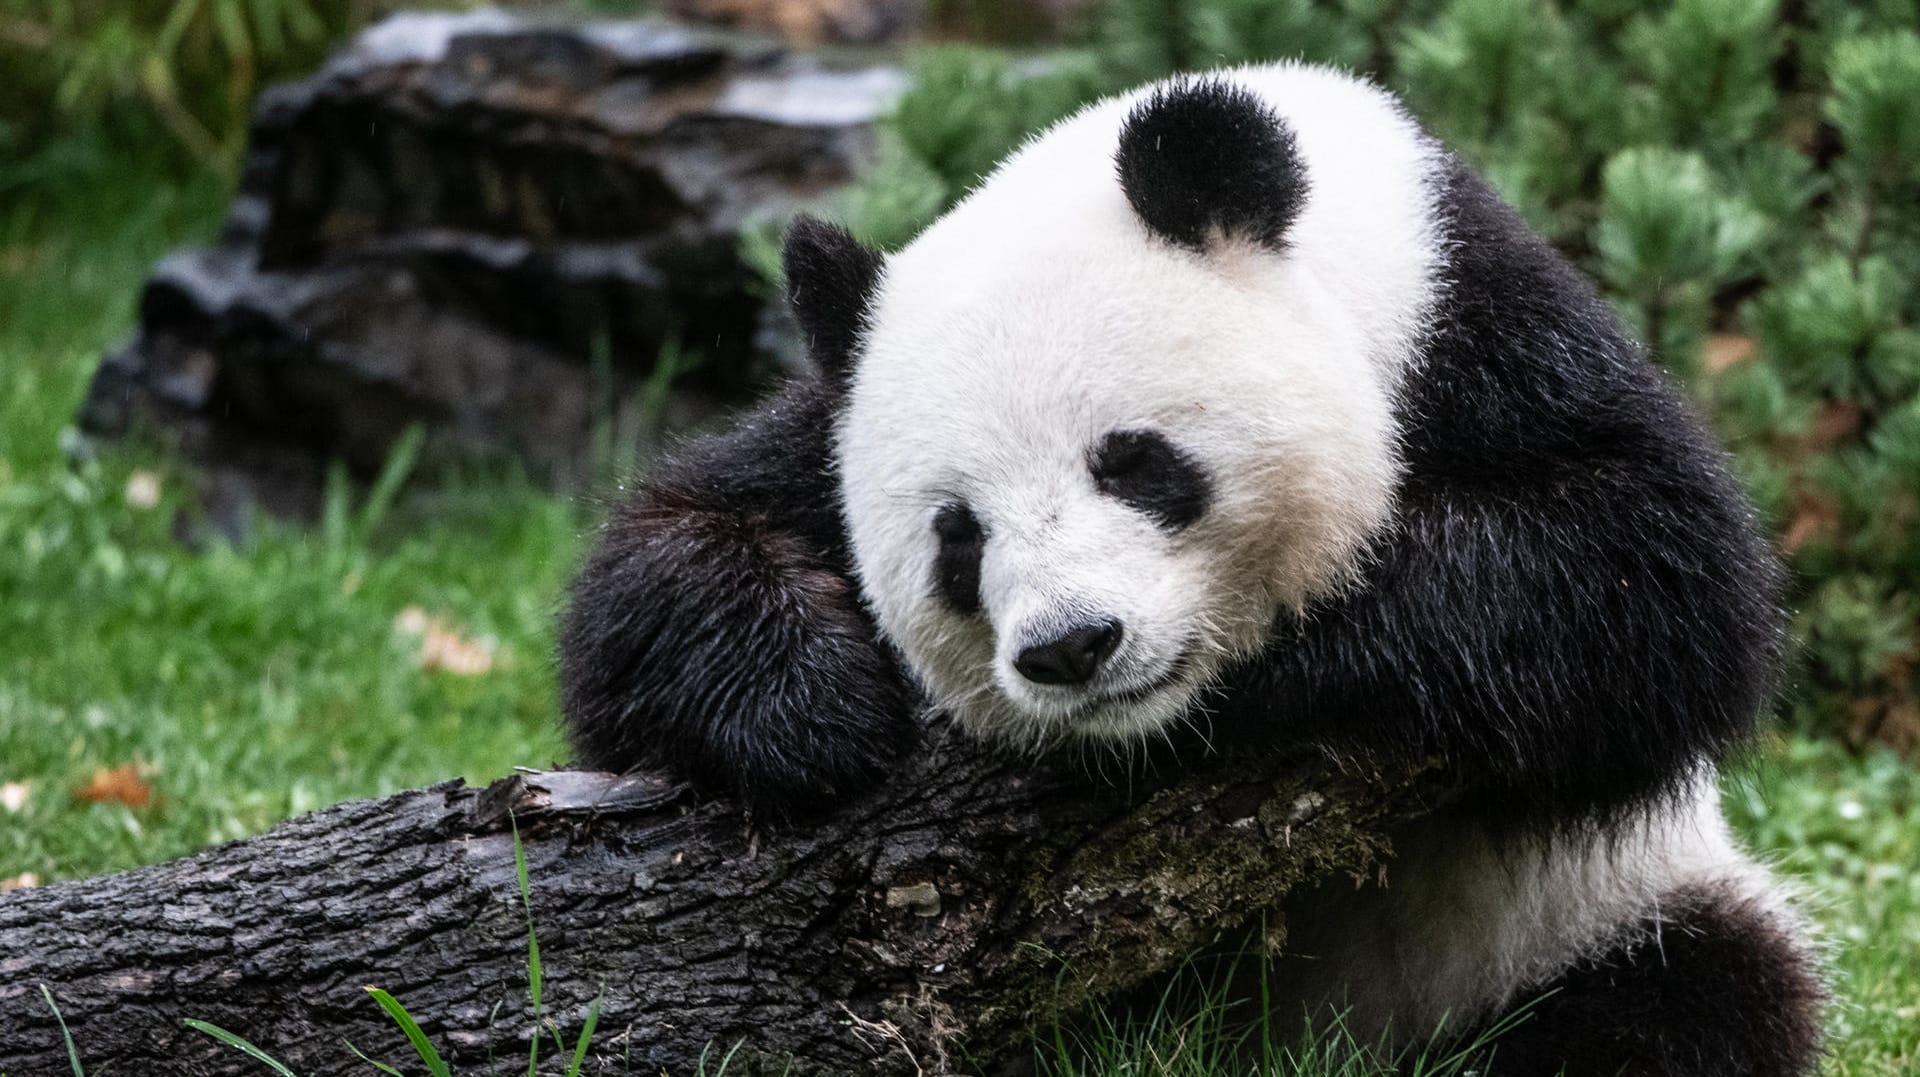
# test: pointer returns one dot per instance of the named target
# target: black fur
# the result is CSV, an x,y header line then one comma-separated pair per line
x,y
1713,988
956,567
831,278
1143,469
1575,607
1204,156
717,632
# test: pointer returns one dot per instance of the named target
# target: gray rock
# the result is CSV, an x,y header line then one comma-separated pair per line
x,y
492,227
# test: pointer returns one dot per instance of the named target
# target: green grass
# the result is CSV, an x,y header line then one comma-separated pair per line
x,y
1196,1029
248,684
1848,828
258,682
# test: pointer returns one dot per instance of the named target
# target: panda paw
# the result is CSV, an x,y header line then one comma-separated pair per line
x,y
715,647
816,747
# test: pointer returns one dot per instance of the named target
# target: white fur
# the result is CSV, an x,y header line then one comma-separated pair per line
x,y
1040,314
1457,930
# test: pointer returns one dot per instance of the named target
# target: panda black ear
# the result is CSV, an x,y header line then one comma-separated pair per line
x,y
1200,156
831,280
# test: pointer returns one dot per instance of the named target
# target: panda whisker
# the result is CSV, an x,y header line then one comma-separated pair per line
x,y
1190,719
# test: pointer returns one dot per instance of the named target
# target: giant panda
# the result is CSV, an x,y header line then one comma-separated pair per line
x,y
1240,401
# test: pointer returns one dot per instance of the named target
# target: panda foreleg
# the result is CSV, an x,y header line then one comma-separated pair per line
x,y
715,635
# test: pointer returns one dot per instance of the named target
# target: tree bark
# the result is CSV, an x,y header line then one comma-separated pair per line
x,y
930,926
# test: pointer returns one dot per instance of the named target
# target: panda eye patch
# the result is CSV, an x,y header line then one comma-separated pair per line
x,y
1144,470
956,567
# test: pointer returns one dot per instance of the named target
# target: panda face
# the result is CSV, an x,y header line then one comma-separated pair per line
x,y
1088,654
1085,464
1071,501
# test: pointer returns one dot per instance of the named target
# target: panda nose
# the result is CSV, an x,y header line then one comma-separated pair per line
x,y
1071,658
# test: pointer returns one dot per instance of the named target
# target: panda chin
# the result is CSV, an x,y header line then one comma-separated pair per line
x,y
1133,712
1134,718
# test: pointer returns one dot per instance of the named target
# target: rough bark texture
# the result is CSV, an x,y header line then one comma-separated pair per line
x,y
926,928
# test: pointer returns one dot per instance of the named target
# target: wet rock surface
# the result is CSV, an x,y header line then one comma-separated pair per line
x,y
494,228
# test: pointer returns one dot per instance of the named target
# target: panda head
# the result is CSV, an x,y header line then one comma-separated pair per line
x,y
1126,403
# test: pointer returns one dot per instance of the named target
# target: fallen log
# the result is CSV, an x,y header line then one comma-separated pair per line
x,y
930,926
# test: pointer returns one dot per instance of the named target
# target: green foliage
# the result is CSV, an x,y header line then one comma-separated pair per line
x,y
1477,61
1836,331
1742,177
1854,628
1246,31
1874,105
85,81
1666,238
1704,68
968,109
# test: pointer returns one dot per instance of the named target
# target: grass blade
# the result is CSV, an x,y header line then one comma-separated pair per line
x,y
526,904
239,1044
492,1069
533,953
586,1036
421,1045
73,1053
336,512
381,1066
393,475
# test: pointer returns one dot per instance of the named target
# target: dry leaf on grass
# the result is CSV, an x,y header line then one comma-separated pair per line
x,y
120,785
1723,350
455,654
444,648
26,880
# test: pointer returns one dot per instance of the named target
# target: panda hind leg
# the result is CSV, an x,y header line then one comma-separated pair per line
x,y
1718,985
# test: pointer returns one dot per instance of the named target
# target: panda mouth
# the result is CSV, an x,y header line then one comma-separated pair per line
x,y
1176,672
1106,712
1120,711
